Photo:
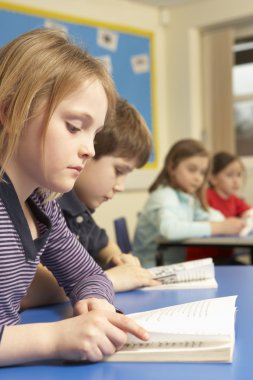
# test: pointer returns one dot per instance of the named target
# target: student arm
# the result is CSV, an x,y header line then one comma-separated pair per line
x,y
112,254
220,225
104,251
177,220
167,216
44,290
172,227
128,277
248,214
89,336
229,226
72,266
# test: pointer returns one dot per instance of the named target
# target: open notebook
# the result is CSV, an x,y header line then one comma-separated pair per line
x,y
201,331
186,275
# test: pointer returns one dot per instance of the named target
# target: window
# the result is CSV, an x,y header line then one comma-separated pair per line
x,y
243,96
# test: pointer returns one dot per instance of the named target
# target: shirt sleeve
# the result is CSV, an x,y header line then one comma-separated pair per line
x,y
73,267
215,215
174,221
241,206
211,215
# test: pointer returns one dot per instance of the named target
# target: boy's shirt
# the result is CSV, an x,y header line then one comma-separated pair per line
x,y
81,223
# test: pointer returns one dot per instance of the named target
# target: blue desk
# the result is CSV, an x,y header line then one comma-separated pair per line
x,y
232,280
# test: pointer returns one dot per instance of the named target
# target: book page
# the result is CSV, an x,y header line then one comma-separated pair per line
x,y
175,345
209,283
211,319
201,331
183,272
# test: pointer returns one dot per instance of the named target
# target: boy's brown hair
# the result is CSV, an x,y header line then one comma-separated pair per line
x,y
127,135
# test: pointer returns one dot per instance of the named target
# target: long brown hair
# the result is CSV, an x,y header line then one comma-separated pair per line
x,y
180,151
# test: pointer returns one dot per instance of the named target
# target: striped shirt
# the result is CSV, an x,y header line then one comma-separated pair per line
x,y
56,247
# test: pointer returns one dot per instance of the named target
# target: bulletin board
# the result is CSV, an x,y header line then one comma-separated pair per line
x,y
127,52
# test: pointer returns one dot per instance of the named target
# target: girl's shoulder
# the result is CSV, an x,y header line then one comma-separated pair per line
x,y
164,194
164,191
49,207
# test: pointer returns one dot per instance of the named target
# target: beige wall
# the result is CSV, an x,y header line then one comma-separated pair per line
x,y
177,57
184,32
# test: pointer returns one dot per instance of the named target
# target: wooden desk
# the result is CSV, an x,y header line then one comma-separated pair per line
x,y
214,241
233,280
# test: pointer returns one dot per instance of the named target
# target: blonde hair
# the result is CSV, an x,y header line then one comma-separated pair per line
x,y
41,67
179,152
126,135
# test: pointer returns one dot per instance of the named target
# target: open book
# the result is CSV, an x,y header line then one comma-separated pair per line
x,y
202,331
186,275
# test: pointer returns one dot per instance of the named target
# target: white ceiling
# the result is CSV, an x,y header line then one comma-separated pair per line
x,y
166,3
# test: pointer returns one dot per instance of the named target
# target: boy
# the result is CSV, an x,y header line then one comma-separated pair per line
x,y
122,145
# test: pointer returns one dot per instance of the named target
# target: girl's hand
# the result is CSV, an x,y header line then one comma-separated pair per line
x,y
94,335
90,336
127,277
89,304
248,214
233,225
229,226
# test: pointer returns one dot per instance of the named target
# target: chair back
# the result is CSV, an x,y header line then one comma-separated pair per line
x,y
122,236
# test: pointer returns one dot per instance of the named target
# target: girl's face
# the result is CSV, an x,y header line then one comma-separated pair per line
x,y
103,178
229,180
68,141
190,173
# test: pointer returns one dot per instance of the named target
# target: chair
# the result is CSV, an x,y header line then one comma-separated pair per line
x,y
122,236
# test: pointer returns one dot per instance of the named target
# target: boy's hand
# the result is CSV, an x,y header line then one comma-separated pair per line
x,y
112,255
127,277
125,258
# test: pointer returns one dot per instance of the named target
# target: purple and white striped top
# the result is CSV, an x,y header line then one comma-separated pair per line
x,y
56,247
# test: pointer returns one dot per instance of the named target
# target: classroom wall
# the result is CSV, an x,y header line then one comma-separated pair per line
x,y
183,91
177,58
136,16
